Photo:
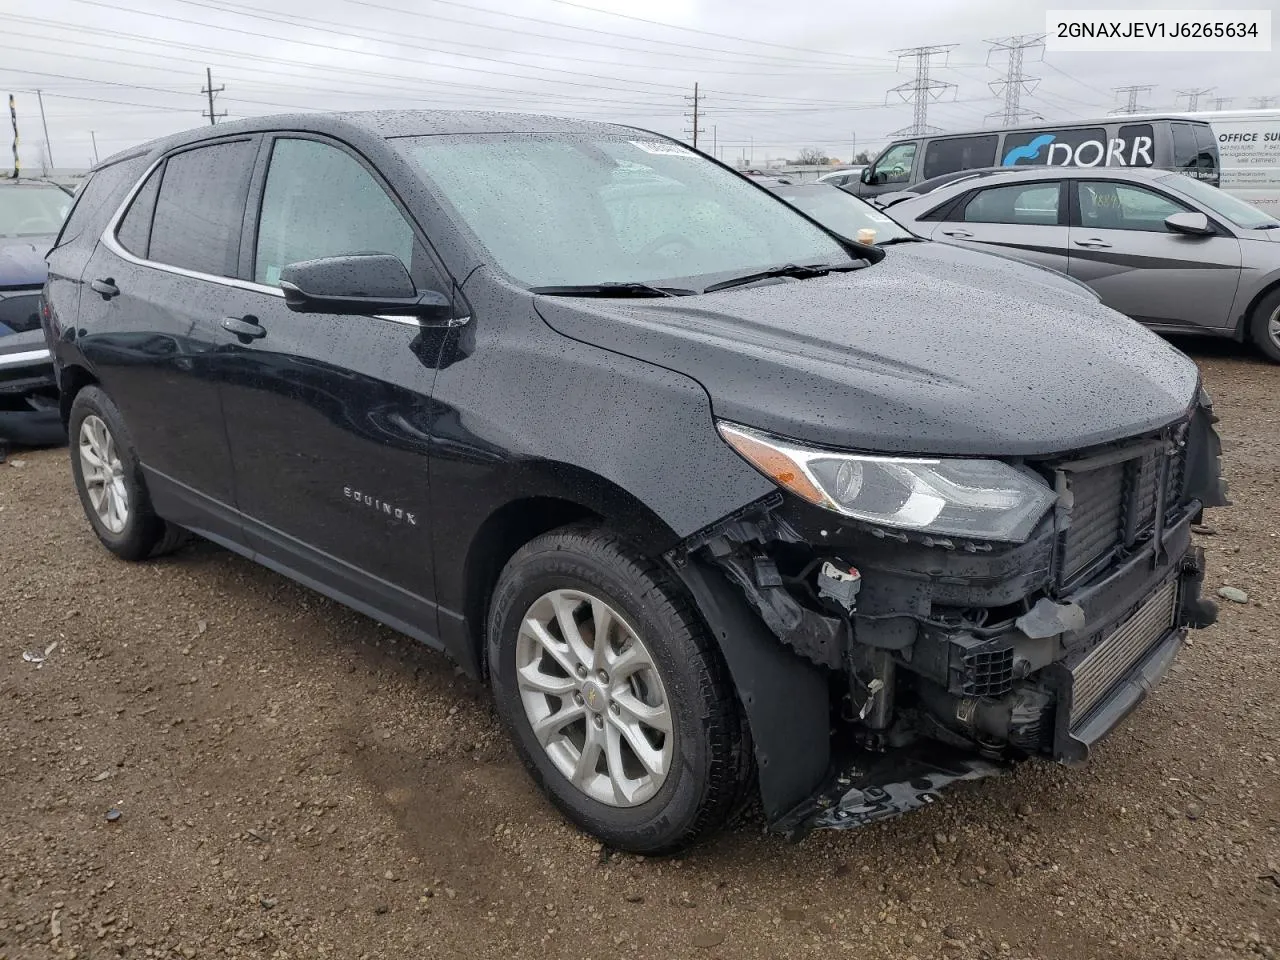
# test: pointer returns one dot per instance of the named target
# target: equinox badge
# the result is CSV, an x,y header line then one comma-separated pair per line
x,y
380,505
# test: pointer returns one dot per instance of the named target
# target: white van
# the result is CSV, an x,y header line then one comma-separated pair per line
x,y
1249,154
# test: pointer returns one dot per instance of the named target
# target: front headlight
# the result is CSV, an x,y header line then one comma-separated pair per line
x,y
982,499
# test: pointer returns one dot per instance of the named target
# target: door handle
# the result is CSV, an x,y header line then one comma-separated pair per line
x,y
959,234
246,328
1092,243
106,288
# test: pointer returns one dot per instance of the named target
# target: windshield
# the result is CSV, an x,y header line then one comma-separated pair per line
x,y
565,210
1223,204
842,212
32,210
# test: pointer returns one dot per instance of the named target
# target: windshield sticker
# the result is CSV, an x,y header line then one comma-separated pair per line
x,y
659,148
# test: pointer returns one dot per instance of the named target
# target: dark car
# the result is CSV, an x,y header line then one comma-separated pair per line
x,y
31,212
716,501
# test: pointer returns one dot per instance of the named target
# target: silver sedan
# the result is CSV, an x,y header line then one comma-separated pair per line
x,y
1173,253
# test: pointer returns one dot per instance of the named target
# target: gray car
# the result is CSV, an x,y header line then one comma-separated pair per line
x,y
1173,253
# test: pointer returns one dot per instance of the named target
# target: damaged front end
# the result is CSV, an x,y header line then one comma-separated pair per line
x,y
878,664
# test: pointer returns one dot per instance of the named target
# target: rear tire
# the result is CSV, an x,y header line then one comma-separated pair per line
x,y
109,481
629,796
1264,326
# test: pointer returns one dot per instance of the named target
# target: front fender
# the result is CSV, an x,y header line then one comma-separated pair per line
x,y
784,696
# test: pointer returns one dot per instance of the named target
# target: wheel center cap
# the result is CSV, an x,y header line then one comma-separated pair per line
x,y
595,697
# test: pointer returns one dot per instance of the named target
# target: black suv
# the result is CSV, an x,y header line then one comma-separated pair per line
x,y
715,499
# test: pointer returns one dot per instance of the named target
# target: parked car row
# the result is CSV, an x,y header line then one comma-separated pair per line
x,y
1172,252
719,500
31,213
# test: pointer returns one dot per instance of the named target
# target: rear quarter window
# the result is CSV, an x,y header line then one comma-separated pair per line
x,y
98,199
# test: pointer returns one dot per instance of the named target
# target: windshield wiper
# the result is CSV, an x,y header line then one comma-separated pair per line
x,y
612,290
794,270
893,240
1267,226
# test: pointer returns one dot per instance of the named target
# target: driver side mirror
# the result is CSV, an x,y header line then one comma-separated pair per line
x,y
868,175
360,284
1192,224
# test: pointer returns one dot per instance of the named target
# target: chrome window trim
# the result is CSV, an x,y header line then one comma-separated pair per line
x,y
111,243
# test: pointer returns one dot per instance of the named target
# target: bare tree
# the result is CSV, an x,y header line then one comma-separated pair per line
x,y
863,158
43,155
810,156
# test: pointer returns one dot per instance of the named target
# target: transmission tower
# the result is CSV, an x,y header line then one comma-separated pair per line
x,y
1015,82
1221,103
1193,97
1133,91
696,116
922,90
1263,102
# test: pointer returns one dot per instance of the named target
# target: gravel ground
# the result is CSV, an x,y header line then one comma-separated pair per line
x,y
294,780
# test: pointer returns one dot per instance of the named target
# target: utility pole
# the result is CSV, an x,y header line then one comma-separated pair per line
x,y
13,118
922,90
48,151
1133,92
211,90
1193,97
1263,102
1015,82
1221,103
715,140
696,101
94,138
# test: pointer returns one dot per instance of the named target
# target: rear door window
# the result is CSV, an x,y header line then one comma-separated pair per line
x,y
200,208
959,153
1083,147
320,201
1021,203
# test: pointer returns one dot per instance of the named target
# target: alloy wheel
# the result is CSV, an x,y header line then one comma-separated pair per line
x,y
594,698
103,474
1273,327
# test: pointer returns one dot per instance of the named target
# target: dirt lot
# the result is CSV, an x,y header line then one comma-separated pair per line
x,y
293,780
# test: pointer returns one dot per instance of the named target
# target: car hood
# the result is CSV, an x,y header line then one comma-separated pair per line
x,y
22,261
923,353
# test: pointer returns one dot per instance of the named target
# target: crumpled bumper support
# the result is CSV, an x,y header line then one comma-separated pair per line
x,y
876,787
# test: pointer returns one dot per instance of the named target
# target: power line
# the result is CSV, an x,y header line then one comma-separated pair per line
x,y
1133,91
230,7
1263,102
766,57
922,90
766,43
211,90
1015,82
1193,97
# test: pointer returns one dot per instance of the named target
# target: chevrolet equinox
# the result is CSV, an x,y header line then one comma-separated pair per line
x,y
720,503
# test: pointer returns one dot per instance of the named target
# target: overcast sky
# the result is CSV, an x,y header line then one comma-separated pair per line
x,y
775,76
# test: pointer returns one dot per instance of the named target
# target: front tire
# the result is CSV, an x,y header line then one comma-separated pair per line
x,y
1264,326
109,481
638,739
